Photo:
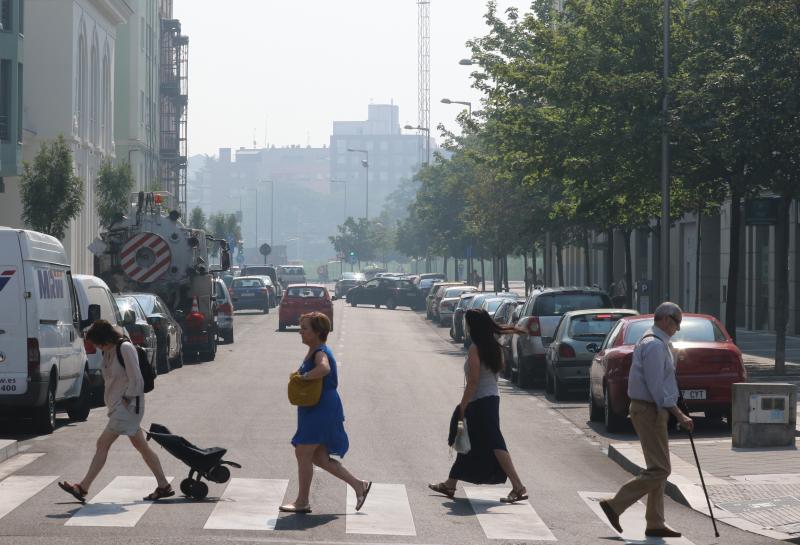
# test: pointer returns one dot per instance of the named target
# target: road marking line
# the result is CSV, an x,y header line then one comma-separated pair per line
x,y
18,489
386,512
503,520
119,504
17,462
632,521
248,504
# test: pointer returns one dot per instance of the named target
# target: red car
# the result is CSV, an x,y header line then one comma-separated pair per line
x,y
299,299
708,363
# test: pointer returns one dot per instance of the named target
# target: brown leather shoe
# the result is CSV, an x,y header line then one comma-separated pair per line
x,y
661,532
613,518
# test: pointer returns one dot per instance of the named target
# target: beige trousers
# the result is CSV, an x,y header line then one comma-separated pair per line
x,y
650,424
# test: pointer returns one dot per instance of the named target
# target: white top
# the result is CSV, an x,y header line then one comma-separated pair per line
x,y
121,381
487,382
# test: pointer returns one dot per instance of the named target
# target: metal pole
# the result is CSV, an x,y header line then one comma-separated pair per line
x,y
367,171
665,222
272,213
256,218
345,203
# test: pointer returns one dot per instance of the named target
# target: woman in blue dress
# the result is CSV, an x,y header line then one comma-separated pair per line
x,y
320,428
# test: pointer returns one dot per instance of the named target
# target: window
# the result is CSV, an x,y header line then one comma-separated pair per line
x,y
5,15
99,296
22,17
556,304
306,292
5,99
697,330
19,103
80,104
94,98
142,32
141,107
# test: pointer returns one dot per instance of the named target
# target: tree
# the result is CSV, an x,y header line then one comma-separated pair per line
x,y
224,226
113,189
197,218
52,194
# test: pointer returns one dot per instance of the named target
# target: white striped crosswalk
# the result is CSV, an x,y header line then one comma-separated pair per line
x,y
16,490
118,504
387,513
506,521
248,504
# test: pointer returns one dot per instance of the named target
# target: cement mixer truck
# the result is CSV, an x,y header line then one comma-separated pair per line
x,y
150,250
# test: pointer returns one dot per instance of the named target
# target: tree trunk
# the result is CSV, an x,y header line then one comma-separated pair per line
x,y
733,266
587,266
455,269
505,273
609,259
444,267
781,283
525,272
533,266
483,275
697,261
559,262
628,266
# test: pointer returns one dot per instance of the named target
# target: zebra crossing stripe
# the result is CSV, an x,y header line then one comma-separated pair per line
x,y
248,504
386,512
119,504
17,489
632,522
506,521
12,465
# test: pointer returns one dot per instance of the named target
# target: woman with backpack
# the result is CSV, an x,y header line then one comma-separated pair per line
x,y
488,460
124,399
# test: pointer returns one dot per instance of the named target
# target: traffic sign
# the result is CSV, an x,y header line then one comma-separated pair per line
x,y
265,249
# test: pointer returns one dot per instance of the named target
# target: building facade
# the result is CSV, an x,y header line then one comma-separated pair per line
x,y
136,121
12,34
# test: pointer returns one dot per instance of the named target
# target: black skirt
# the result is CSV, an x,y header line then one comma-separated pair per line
x,y
480,465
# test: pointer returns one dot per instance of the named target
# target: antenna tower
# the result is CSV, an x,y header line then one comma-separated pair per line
x,y
424,72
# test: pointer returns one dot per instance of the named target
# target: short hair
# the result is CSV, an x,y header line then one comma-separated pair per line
x,y
667,309
102,332
319,324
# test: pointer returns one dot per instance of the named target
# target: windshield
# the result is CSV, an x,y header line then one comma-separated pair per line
x,y
147,302
259,271
306,292
293,271
592,325
556,304
248,283
455,292
693,329
492,304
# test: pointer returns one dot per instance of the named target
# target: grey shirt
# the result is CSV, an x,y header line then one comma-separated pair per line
x,y
487,382
121,381
652,374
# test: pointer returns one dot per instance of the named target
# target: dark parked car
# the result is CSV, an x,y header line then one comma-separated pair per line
x,y
507,314
457,325
264,270
389,292
348,281
169,347
141,332
478,302
250,292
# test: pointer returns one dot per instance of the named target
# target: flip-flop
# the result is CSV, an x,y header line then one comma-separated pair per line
x,y
514,496
75,490
291,508
443,490
361,499
159,493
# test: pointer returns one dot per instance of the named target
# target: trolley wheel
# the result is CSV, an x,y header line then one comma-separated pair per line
x,y
219,474
200,490
187,487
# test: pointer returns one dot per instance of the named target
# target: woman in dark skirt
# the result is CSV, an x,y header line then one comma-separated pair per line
x,y
488,461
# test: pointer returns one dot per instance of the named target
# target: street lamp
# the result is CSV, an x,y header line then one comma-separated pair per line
x,y
466,62
271,211
345,195
365,164
665,255
427,131
462,102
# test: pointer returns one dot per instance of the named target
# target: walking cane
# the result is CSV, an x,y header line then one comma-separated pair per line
x,y
703,482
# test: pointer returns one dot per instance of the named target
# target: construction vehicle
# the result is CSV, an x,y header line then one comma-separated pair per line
x,y
151,250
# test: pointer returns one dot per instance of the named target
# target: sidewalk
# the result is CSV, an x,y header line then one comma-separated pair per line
x,y
758,350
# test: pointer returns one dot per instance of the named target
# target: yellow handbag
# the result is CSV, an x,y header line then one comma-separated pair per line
x,y
304,393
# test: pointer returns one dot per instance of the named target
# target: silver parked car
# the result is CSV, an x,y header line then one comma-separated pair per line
x,y
448,302
578,336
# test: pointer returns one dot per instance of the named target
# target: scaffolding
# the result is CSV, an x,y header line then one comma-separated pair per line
x,y
424,74
173,89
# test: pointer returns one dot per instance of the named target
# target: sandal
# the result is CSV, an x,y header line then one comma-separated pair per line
x,y
515,495
292,508
361,499
443,489
160,492
75,490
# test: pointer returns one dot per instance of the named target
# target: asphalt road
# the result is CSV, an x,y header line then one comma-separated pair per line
x,y
400,378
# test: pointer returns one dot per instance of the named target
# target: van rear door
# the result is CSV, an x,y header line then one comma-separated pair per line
x,y
13,318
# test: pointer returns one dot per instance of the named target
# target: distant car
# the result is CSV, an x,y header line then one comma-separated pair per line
x,y
223,311
447,304
291,274
302,299
708,363
227,278
431,300
388,292
539,317
264,270
369,274
169,346
577,338
478,302
457,324
507,314
348,281
141,332
273,290
250,292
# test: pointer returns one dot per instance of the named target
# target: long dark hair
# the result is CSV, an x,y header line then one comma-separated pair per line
x,y
102,332
482,330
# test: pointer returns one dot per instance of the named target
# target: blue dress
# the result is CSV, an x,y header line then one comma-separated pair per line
x,y
323,423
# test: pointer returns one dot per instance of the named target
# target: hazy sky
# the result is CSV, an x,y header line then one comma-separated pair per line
x,y
294,66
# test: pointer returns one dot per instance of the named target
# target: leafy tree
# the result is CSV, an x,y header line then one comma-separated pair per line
x,y
197,219
113,189
52,194
224,226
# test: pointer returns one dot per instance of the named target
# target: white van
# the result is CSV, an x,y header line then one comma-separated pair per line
x,y
291,274
42,359
95,301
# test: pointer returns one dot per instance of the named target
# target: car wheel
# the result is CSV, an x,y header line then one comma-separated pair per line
x,y
211,351
162,357
595,413
44,417
559,391
177,361
78,410
613,422
548,382
524,374
377,305
228,337
282,326
352,303
265,309
391,304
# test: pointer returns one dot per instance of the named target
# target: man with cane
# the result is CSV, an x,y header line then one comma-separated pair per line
x,y
653,390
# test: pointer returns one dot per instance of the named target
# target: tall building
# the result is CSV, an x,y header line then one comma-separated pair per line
x,y
69,90
174,98
382,157
11,69
136,132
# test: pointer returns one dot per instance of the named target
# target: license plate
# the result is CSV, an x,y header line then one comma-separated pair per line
x,y
13,383
248,294
693,394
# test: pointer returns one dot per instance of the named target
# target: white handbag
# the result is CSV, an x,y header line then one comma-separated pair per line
x,y
462,444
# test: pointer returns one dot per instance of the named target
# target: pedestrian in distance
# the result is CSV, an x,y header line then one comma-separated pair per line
x,y
653,390
488,460
320,428
124,400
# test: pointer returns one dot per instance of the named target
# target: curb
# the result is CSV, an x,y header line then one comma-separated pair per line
x,y
686,491
8,448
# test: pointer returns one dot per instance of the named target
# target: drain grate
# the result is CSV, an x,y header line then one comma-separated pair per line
x,y
771,506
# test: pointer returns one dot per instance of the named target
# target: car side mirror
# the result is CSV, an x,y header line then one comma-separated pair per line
x,y
154,321
129,318
594,348
179,315
225,260
333,297
94,313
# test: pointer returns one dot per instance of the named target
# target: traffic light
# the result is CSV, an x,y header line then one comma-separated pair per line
x,y
352,257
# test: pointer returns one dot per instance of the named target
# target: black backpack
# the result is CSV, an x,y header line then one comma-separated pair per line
x,y
144,365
